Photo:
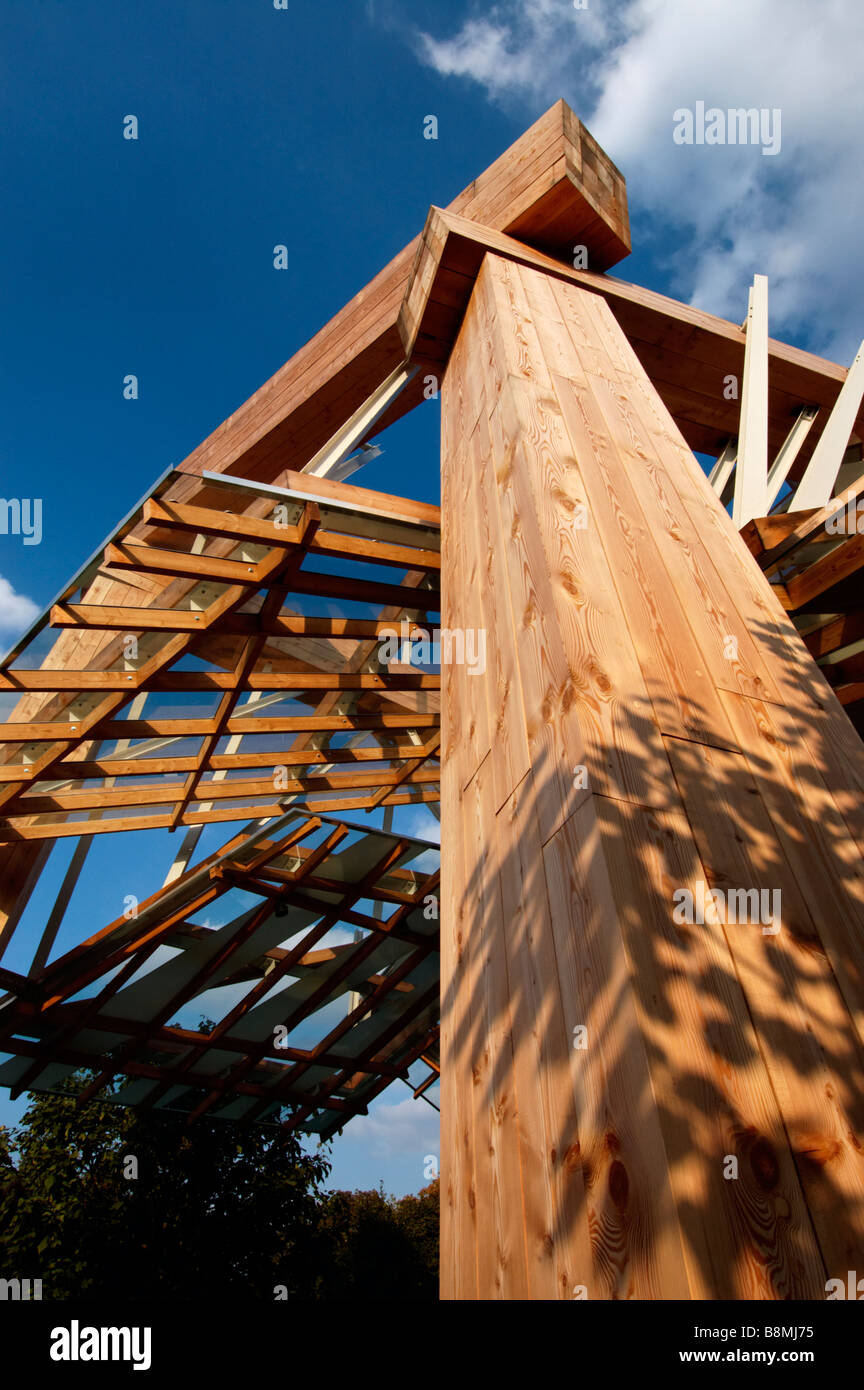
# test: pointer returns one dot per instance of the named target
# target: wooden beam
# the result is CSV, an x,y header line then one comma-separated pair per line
x,y
229,762
34,804
235,625
811,523
671,340
623,764
175,516
554,187
173,681
12,834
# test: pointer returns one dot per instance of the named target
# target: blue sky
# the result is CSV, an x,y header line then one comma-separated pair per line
x,y
304,127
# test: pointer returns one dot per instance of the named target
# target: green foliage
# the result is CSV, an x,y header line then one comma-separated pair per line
x,y
215,1211
380,1248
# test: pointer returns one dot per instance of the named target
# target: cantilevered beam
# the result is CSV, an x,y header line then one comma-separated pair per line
x,y
554,188
686,352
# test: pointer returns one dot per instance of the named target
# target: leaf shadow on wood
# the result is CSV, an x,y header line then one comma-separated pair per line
x,y
706,1140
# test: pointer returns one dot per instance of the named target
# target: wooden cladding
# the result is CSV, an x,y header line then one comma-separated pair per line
x,y
633,1106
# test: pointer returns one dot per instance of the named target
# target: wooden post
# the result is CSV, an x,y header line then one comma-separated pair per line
x,y
633,1105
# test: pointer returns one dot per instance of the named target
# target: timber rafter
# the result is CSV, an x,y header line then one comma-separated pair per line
x,y
93,745
307,878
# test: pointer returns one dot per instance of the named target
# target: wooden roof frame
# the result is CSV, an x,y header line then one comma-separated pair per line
x,y
211,562
254,1078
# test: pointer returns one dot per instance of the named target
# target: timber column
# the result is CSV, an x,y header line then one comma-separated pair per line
x,y
634,1105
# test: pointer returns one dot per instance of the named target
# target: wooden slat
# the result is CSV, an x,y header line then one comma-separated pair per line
x,y
814,1041
10,834
173,681
231,789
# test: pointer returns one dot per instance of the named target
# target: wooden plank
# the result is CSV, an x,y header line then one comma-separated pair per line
x,y
503,688
748,1238
504,1265
459,1242
814,837
636,1247
553,732
811,1051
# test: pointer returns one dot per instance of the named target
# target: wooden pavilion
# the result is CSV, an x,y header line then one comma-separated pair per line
x,y
634,1104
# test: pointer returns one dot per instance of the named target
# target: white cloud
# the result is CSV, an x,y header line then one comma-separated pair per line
x,y
418,822
713,215
410,1127
521,48
16,610
481,50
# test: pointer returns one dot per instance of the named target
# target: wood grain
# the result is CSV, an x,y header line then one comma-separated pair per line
x,y
712,1126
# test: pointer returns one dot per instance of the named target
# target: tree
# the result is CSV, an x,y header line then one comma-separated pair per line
x,y
101,1201
380,1248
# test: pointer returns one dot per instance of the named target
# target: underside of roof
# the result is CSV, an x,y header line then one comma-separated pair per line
x,y
308,946
240,664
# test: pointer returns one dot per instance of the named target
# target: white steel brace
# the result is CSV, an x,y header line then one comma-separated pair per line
x,y
751,472
332,460
817,485
788,452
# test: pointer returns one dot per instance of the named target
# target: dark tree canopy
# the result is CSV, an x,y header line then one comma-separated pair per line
x,y
215,1211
